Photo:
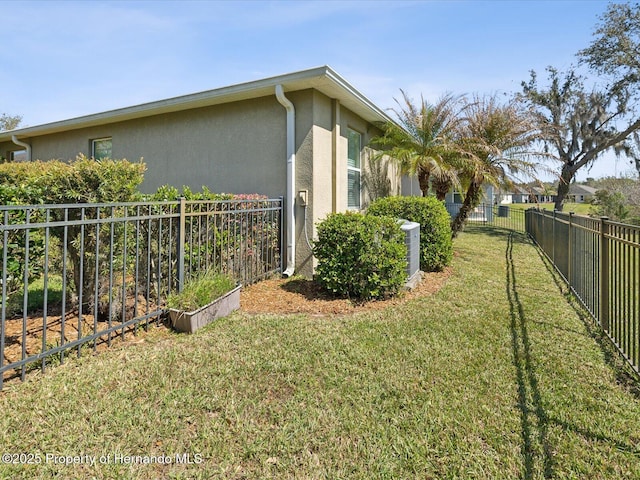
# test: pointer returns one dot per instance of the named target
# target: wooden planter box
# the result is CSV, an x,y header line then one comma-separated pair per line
x,y
189,322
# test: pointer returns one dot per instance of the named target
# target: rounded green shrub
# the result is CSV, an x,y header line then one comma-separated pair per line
x,y
436,246
83,180
360,256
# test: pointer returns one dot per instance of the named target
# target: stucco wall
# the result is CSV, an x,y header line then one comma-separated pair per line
x,y
236,148
410,186
323,174
304,106
322,167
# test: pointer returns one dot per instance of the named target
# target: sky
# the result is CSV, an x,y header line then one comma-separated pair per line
x,y
64,59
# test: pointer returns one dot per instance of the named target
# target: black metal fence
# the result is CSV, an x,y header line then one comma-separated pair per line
x,y
503,216
77,276
600,261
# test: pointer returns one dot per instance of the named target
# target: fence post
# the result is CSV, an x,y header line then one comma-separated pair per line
x,y
570,252
553,236
182,207
543,224
603,304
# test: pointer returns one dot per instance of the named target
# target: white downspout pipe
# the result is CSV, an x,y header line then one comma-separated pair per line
x,y
291,180
15,140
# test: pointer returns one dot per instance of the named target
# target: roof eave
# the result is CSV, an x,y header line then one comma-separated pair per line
x,y
322,78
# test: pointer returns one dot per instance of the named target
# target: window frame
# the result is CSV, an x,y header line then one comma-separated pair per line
x,y
93,143
14,153
355,169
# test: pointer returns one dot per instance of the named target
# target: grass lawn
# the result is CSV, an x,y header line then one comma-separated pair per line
x,y
495,376
577,208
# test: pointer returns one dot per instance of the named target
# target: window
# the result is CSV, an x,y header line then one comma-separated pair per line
x,y
18,156
354,140
101,148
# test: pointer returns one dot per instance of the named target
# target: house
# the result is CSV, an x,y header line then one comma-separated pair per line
x,y
521,194
580,193
301,135
453,202
503,197
488,194
533,194
539,194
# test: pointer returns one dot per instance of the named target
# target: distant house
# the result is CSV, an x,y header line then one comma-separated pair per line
x,y
521,194
453,202
580,193
541,195
501,197
301,135
490,196
532,194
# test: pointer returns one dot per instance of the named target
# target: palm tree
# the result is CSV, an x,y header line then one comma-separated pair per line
x,y
497,135
425,141
446,176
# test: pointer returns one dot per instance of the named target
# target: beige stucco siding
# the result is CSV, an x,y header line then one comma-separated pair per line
x,y
236,148
323,161
314,173
322,166
304,107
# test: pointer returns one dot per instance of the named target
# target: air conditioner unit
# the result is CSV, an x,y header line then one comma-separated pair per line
x,y
412,241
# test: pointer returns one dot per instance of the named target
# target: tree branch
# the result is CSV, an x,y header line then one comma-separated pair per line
x,y
597,150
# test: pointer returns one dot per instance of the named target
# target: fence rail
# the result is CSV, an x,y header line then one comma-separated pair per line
x,y
79,275
502,216
600,261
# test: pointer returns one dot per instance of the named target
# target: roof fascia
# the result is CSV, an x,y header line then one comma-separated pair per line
x,y
322,78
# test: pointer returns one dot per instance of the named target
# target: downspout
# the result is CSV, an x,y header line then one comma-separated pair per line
x,y
15,140
291,180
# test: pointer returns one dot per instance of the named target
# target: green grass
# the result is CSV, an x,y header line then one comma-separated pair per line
x,y
495,376
35,296
201,291
577,208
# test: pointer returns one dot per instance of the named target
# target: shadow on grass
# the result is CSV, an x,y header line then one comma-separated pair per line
x,y
623,373
498,232
535,421
533,417
621,446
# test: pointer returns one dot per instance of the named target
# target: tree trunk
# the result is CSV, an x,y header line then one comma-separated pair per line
x,y
442,187
566,176
423,181
471,201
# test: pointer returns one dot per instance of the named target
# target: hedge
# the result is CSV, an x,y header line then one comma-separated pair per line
x,y
436,246
360,256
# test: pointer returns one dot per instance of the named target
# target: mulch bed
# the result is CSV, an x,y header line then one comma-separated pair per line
x,y
15,333
298,295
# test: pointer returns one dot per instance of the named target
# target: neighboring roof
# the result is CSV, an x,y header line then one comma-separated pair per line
x,y
323,79
581,190
520,190
536,190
